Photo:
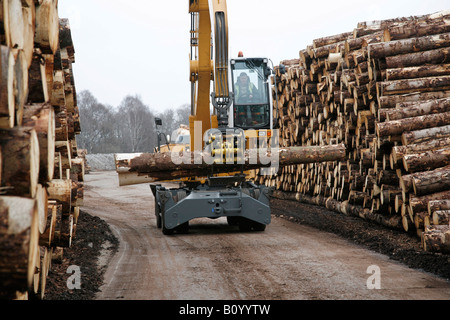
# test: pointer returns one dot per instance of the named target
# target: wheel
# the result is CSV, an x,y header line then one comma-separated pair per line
x,y
233,221
183,228
258,226
245,224
165,231
158,215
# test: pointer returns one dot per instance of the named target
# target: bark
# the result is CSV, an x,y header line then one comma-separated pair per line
x,y
441,217
42,118
21,85
420,203
397,127
37,80
19,237
61,190
425,135
415,85
427,160
47,26
7,103
392,101
436,56
416,29
161,166
398,152
437,239
414,109
431,181
396,47
437,205
20,161
434,70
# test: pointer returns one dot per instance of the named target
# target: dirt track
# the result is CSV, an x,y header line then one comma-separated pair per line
x,y
214,261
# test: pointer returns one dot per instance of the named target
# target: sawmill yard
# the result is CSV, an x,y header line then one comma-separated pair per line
x,y
373,225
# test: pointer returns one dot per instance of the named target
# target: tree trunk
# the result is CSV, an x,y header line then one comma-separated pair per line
x,y
434,70
37,82
398,152
61,190
7,103
21,85
431,181
392,101
415,85
20,161
436,56
437,239
425,135
47,26
427,160
396,47
19,237
397,127
415,109
420,203
437,205
441,217
42,118
161,166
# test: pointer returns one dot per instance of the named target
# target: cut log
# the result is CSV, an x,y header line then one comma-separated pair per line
x,y
170,166
415,109
21,85
436,56
47,26
436,205
7,103
37,79
418,72
397,127
420,203
441,217
392,101
46,237
414,85
13,23
431,181
20,161
427,160
42,118
398,152
419,136
61,190
437,239
19,236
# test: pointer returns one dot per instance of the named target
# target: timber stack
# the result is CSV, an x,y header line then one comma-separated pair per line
x,y
41,176
383,90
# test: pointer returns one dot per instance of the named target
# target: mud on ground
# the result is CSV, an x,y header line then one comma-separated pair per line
x,y
94,242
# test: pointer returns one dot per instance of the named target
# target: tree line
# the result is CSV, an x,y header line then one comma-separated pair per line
x,y
130,127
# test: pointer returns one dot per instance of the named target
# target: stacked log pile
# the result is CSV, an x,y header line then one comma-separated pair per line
x,y
383,90
41,177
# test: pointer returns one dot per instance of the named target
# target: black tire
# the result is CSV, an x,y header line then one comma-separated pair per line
x,y
233,221
183,228
165,231
245,224
158,215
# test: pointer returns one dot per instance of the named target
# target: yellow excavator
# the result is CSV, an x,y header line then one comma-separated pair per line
x,y
240,119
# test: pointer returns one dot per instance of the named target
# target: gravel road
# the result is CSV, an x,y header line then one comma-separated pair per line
x,y
289,260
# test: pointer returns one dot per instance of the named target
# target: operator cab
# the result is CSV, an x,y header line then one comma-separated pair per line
x,y
251,88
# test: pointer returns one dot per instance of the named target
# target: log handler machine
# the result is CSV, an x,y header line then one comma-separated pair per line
x,y
229,143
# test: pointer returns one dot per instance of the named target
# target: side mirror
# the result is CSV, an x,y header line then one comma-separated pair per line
x,y
282,68
158,121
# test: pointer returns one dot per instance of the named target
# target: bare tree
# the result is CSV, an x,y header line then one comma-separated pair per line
x,y
136,125
97,119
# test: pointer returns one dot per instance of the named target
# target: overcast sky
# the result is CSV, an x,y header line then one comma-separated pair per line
x,y
141,47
